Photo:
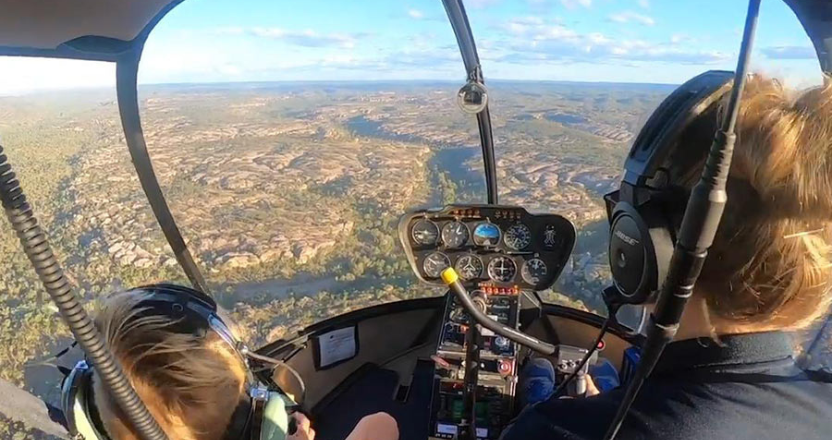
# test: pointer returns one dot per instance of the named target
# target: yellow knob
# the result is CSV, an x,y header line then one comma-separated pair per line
x,y
449,276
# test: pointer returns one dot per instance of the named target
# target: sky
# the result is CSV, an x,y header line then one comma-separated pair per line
x,y
657,41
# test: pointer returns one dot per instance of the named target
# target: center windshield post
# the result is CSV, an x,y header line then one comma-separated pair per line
x,y
473,70
127,90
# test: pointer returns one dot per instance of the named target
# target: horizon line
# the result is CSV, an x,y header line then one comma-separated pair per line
x,y
331,81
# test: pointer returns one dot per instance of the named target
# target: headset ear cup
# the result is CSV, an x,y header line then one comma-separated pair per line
x,y
69,392
75,392
638,252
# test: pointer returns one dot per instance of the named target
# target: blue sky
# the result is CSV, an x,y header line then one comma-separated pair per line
x,y
664,41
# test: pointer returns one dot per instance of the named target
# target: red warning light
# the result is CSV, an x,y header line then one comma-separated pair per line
x,y
601,345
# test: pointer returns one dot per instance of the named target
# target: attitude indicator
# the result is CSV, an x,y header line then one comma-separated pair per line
x,y
487,234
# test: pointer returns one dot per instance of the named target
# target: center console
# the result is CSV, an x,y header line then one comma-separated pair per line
x,y
476,386
502,255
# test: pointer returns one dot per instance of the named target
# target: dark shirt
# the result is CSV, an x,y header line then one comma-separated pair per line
x,y
748,388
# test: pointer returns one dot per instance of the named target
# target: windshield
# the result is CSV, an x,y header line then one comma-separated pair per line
x,y
288,146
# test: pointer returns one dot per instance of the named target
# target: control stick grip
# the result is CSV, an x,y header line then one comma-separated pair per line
x,y
580,385
451,279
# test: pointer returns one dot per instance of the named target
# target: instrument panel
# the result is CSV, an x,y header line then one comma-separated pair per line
x,y
499,246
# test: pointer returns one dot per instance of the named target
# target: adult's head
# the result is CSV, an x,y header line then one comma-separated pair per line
x,y
769,266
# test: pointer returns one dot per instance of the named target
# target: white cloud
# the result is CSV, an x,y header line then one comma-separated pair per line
x,y
307,38
479,4
24,74
229,70
682,38
632,17
790,52
415,14
644,4
542,42
572,4
522,25
229,30
556,32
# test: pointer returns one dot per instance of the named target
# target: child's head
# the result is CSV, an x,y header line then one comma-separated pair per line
x,y
191,384
769,266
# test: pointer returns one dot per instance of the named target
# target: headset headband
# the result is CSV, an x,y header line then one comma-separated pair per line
x,y
183,302
657,138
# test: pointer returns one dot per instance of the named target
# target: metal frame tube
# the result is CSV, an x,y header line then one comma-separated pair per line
x,y
468,50
128,106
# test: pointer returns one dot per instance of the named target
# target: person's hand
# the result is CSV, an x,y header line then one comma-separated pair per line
x,y
591,389
304,428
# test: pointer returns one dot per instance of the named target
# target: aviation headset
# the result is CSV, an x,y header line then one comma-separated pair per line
x,y
263,415
645,212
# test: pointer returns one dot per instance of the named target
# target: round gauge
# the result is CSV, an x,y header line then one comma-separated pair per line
x,y
534,271
454,234
487,234
469,267
502,269
518,237
425,232
435,263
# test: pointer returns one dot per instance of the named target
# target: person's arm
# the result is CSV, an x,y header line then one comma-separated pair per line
x,y
379,426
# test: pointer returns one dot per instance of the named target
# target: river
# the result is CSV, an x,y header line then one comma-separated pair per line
x,y
448,159
299,285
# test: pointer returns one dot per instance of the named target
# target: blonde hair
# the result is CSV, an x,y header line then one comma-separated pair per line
x,y
191,384
769,266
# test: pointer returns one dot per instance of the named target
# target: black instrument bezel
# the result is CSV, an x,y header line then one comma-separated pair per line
x,y
555,255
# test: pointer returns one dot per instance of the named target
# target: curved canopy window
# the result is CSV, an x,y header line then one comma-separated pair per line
x,y
290,138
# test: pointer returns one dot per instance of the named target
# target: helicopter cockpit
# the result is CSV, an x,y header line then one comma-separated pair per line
x,y
446,361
